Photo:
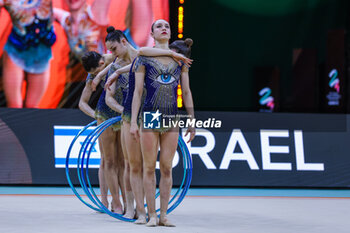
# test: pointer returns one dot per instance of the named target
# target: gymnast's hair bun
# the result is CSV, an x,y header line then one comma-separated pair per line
x,y
110,29
188,42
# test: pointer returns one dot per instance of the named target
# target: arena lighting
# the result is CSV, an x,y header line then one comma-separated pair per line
x,y
179,96
180,21
180,26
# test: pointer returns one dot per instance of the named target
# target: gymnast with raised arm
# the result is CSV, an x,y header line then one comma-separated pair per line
x,y
160,76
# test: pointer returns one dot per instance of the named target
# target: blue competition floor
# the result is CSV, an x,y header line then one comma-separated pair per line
x,y
248,192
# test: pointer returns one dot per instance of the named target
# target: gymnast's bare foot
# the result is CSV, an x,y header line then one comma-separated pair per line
x,y
129,214
141,219
105,202
164,221
152,222
118,209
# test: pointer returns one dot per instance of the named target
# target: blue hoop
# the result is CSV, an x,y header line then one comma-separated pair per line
x,y
97,134
80,165
92,137
67,166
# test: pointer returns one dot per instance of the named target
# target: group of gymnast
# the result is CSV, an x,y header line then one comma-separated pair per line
x,y
137,81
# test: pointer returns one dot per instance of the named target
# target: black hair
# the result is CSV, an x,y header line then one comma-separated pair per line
x,y
115,35
90,60
182,46
153,25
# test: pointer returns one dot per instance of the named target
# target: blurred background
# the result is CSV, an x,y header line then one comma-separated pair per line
x,y
287,47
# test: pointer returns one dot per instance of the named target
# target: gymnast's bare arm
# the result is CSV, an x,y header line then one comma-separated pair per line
x,y
188,101
84,100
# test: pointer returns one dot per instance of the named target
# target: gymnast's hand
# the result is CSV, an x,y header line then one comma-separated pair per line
x,y
134,130
192,132
179,57
111,80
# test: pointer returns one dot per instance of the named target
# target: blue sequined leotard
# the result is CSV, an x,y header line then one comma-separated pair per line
x,y
122,86
161,83
103,112
129,94
32,35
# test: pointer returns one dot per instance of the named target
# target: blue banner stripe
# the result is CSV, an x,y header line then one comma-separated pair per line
x,y
72,161
71,132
